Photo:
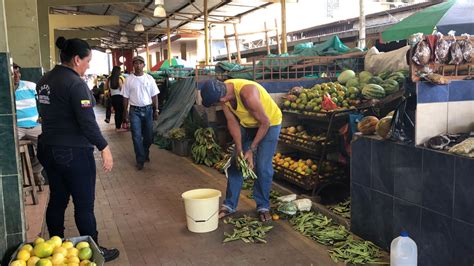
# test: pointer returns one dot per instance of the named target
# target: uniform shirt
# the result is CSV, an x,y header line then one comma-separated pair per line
x,y
246,119
66,108
26,110
140,89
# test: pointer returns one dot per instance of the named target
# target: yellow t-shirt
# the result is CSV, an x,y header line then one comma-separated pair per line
x,y
246,119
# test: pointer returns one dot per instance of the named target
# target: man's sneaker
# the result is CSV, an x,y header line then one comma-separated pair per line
x,y
109,254
139,166
107,121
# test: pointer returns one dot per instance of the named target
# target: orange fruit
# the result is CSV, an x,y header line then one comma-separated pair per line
x,y
275,217
43,250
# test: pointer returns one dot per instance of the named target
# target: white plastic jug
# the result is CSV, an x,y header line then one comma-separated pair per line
x,y
403,251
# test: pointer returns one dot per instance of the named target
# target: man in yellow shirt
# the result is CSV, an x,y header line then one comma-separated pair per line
x,y
254,122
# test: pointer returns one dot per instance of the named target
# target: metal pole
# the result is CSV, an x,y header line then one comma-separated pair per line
x,y
361,25
229,58
206,32
267,40
168,32
284,47
148,63
277,37
236,36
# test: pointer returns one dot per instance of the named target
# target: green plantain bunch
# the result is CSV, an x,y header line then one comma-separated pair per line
x,y
205,150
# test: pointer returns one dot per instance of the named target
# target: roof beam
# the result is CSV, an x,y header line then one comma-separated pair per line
x,y
52,3
81,34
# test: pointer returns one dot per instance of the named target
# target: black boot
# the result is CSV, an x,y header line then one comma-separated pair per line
x,y
109,254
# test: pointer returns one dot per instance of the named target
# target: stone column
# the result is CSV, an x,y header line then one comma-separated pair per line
x,y
12,223
22,24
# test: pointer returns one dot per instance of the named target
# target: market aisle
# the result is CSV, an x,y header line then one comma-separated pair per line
x,y
142,214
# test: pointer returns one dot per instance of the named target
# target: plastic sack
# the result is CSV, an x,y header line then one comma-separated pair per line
x,y
442,49
455,53
288,208
422,53
466,48
465,148
376,62
415,39
303,204
287,198
328,104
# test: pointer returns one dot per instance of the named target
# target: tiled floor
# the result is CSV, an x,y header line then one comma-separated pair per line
x,y
142,214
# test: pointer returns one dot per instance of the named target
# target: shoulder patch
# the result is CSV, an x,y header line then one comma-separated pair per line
x,y
86,103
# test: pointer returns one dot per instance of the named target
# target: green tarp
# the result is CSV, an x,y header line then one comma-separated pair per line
x,y
330,47
423,21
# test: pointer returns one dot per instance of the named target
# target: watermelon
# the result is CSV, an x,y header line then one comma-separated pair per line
x,y
390,86
373,91
367,125
398,76
384,74
345,76
364,76
375,80
353,82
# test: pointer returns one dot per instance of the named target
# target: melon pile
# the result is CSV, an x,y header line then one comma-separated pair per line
x,y
373,86
370,125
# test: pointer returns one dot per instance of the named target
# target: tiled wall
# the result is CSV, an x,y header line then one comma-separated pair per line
x,y
12,231
444,109
396,187
32,74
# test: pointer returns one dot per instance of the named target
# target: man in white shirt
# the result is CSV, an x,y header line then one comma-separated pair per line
x,y
141,92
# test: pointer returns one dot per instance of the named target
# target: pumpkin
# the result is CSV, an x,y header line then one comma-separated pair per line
x,y
367,125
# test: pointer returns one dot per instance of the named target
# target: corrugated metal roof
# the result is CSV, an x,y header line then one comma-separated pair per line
x,y
182,14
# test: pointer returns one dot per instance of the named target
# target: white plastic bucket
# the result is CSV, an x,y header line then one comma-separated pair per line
x,y
202,207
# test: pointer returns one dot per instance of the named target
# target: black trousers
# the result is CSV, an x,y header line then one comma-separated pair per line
x,y
117,103
71,172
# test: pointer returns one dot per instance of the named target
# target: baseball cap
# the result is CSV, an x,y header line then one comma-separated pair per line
x,y
212,91
138,58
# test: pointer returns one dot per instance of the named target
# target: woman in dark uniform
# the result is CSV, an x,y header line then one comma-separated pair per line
x,y
66,145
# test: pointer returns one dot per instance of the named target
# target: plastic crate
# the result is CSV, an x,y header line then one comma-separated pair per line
x,y
96,255
181,147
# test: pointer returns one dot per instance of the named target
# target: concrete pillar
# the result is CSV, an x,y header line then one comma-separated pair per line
x,y
43,7
12,225
23,38
75,21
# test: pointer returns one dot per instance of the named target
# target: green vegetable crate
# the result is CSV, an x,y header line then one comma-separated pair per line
x,y
96,255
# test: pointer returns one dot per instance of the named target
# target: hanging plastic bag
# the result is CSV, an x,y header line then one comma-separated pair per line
x,y
466,48
403,121
442,49
455,51
422,53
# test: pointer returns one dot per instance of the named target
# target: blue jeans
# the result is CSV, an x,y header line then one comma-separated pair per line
x,y
263,166
141,124
71,172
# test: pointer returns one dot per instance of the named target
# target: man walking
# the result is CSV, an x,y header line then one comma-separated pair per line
x,y
28,126
141,92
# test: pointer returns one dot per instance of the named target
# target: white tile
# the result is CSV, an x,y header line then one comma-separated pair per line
x,y
431,120
460,116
